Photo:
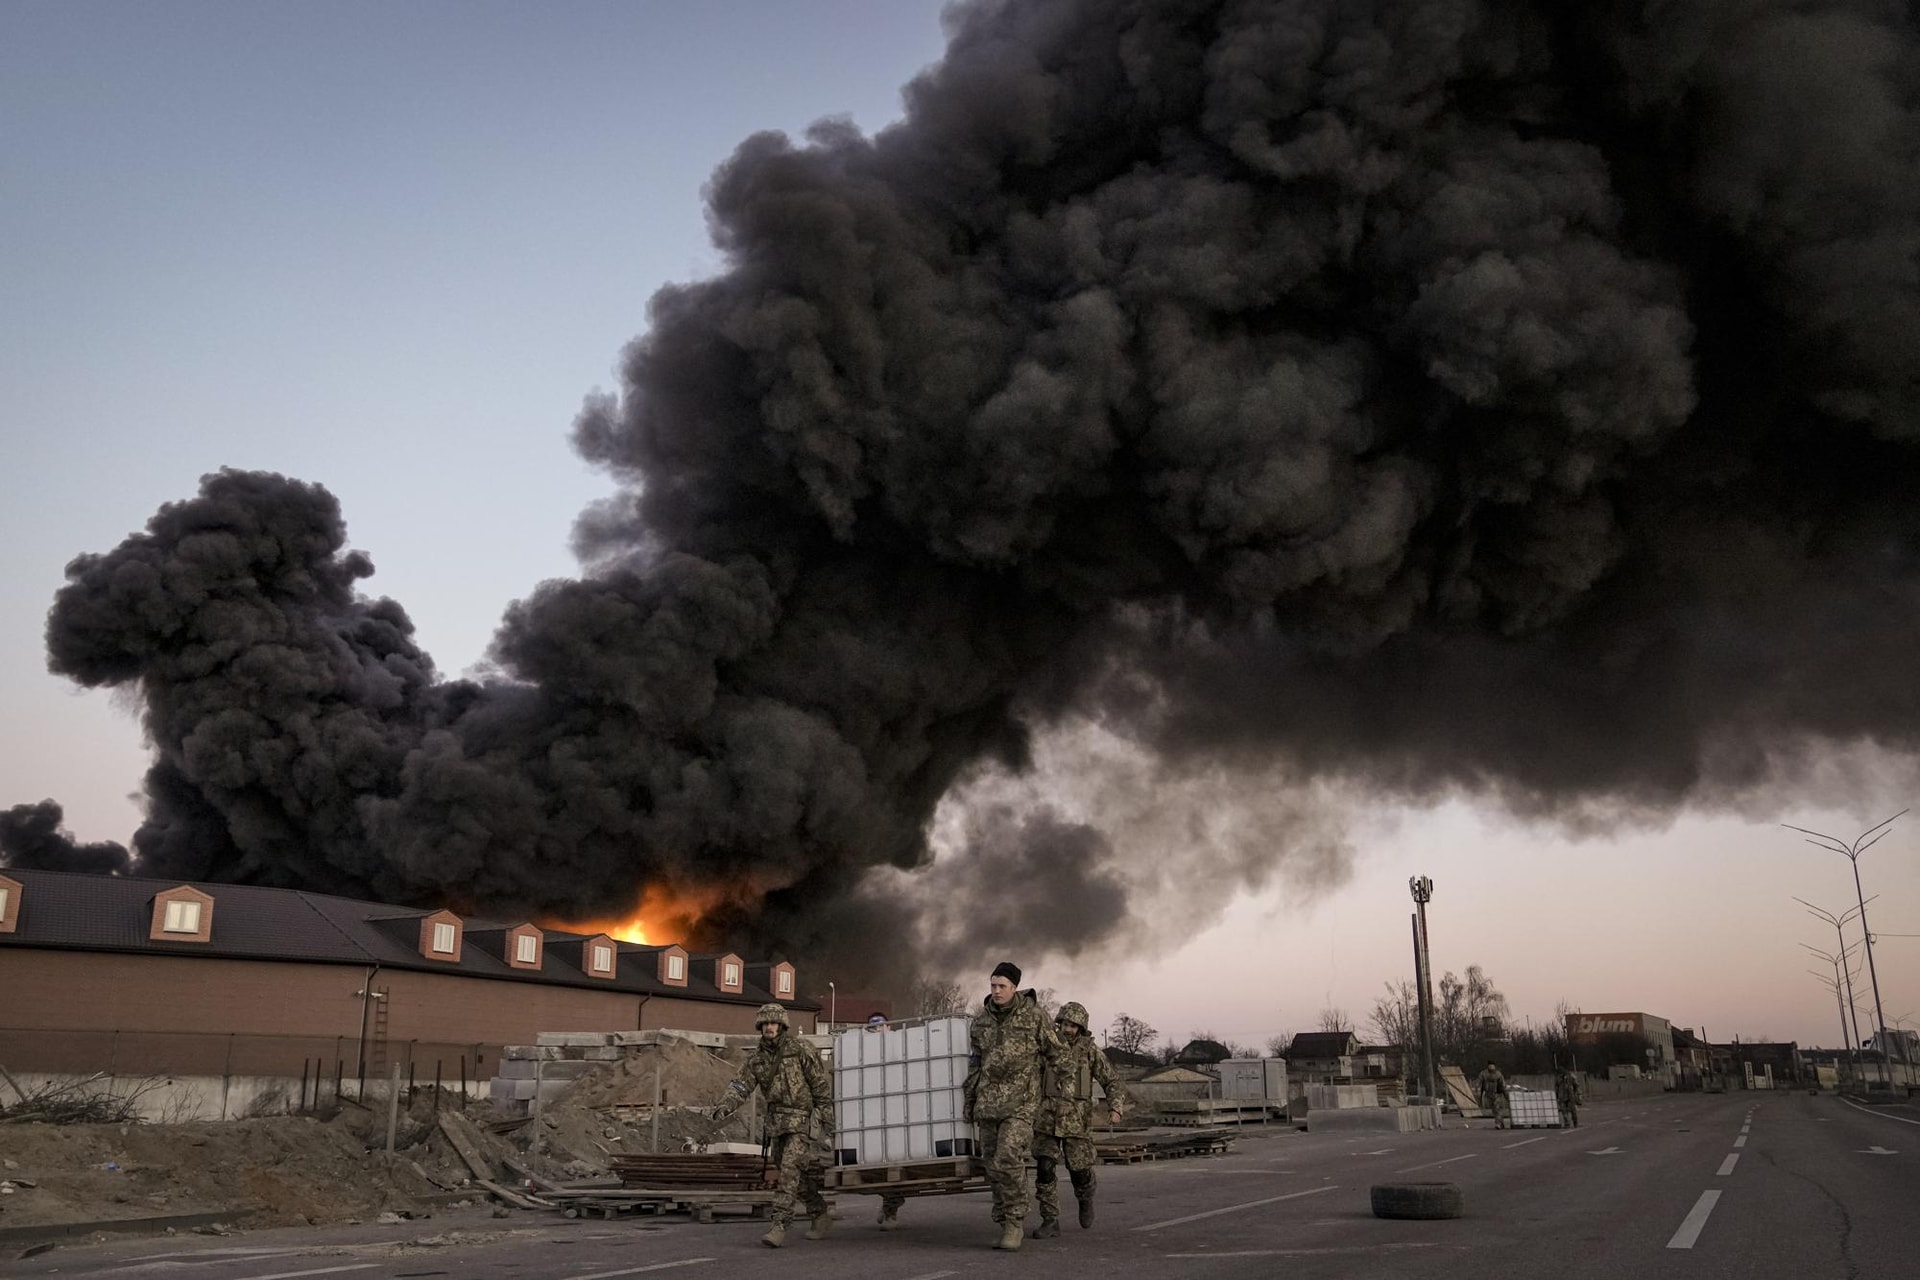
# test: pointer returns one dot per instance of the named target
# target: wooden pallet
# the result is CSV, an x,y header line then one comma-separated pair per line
x,y
886,1177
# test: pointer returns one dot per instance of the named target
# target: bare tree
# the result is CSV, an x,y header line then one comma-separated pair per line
x,y
1334,1018
1131,1035
1277,1046
1048,1001
932,998
1395,1019
1469,1015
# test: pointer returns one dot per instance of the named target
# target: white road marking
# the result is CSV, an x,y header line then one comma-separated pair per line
x,y
1726,1166
1695,1221
934,1275
1740,1141
1437,1163
1746,1128
634,1271
1210,1213
1542,1138
1883,1115
317,1271
1877,1150
1605,1151
1303,1253
1384,1151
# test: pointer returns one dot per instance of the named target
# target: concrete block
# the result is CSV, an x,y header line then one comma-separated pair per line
x,y
1354,1120
520,1053
1333,1097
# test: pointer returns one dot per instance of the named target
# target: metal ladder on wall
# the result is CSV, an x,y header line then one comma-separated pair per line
x,y
377,1050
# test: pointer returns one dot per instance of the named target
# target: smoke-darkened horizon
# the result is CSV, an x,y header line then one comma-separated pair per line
x,y
1402,399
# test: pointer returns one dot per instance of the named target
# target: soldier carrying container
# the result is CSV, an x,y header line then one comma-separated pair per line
x,y
790,1076
1065,1124
1008,1042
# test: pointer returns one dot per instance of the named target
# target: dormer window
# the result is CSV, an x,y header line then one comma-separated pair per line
x,y
524,944
673,966
181,914
440,936
782,981
730,975
676,968
526,949
602,958
9,904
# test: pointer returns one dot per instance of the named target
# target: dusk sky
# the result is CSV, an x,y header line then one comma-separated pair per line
x,y
389,248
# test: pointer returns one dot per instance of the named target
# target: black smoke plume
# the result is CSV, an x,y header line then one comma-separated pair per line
x,y
1415,397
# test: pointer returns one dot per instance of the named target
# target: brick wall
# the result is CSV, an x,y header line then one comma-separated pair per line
x,y
60,1010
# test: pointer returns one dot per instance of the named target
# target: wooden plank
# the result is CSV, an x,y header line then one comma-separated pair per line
x,y
513,1198
464,1146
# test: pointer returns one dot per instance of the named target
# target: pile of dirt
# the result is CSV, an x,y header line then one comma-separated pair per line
x,y
280,1171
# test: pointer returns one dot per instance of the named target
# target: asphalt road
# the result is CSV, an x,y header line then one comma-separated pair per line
x,y
1733,1185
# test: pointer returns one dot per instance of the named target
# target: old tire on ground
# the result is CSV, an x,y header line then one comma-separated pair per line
x,y
1418,1200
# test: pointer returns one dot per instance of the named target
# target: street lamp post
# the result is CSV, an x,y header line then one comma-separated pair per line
x,y
1834,984
1839,924
1842,965
1860,845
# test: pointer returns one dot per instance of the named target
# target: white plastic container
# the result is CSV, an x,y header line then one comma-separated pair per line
x,y
897,1093
1532,1109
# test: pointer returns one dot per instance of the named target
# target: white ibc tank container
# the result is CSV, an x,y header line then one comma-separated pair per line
x,y
897,1093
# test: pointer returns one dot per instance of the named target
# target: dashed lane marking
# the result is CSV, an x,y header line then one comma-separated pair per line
x,y
1542,1138
1695,1222
1211,1213
1882,1114
1435,1164
317,1271
1305,1253
1726,1166
635,1271
934,1275
1740,1141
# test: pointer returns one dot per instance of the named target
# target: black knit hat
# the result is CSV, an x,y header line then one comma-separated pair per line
x,y
1009,970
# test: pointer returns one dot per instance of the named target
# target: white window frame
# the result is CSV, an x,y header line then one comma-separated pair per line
x,y
785,985
445,938
182,915
729,975
526,949
5,897
602,958
676,967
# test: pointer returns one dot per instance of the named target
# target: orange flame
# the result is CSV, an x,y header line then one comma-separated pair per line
x,y
663,914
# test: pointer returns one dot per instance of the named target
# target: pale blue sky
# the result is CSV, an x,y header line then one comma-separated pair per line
x,y
389,247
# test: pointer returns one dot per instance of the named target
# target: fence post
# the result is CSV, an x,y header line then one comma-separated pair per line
x,y
303,1084
226,1077
656,1108
436,1086
393,1109
463,1082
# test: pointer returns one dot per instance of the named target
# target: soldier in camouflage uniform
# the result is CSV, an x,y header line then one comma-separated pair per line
x,y
1008,1041
790,1076
1062,1132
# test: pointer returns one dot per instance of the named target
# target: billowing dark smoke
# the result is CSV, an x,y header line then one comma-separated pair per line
x,y
32,837
1414,396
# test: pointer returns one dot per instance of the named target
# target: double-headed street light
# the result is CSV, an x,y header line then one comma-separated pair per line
x,y
1861,843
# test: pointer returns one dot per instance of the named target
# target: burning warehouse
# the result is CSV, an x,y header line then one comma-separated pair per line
x,y
1507,399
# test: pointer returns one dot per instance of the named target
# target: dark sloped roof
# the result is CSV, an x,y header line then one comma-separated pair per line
x,y
72,911
1321,1044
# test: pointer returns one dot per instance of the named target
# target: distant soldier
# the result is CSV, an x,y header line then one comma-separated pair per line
x,y
1008,1041
1492,1088
1566,1091
790,1076
1066,1118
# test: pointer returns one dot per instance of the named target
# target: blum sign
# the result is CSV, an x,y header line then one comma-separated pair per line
x,y
1585,1026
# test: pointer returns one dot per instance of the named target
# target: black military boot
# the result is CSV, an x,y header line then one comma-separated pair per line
x,y
1083,1192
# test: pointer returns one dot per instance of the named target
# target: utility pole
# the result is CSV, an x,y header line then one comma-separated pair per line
x,y
1422,889
1853,851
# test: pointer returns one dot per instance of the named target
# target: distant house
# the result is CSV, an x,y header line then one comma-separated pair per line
x,y
1173,1082
1202,1053
1318,1057
1123,1060
1381,1061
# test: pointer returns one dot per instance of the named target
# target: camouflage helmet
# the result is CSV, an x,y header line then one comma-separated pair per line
x,y
1073,1011
771,1013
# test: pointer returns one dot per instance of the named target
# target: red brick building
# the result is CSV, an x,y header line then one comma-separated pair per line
x,y
141,977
